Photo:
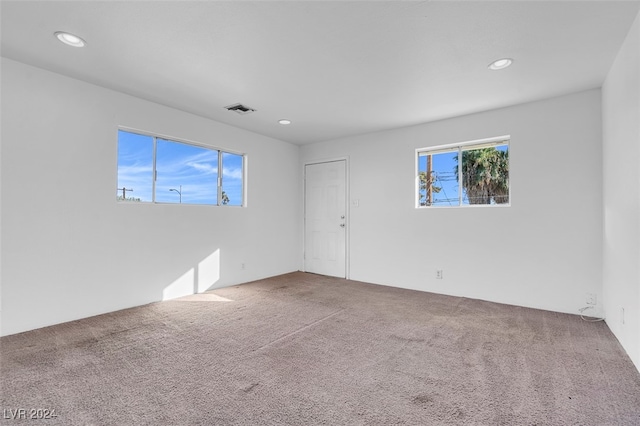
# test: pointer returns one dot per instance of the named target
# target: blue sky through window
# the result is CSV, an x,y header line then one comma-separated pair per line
x,y
135,165
185,173
191,171
232,174
443,167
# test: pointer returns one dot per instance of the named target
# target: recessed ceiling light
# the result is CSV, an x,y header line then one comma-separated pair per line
x,y
284,122
70,39
500,64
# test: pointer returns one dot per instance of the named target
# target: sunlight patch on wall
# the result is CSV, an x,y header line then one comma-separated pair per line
x,y
181,287
208,271
197,279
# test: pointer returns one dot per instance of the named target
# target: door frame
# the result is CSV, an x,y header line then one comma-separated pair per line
x,y
347,206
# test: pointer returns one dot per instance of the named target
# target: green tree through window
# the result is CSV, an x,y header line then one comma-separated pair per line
x,y
485,175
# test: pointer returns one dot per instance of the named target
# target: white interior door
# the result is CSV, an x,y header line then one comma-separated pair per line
x,y
325,218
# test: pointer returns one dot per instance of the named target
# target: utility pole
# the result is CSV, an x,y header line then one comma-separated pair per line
x,y
124,194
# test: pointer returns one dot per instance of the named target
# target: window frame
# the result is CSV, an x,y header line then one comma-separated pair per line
x,y
154,172
459,147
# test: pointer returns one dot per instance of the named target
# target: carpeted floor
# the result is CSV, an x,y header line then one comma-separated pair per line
x,y
305,349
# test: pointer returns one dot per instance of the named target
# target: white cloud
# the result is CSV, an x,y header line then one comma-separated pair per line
x,y
206,168
232,173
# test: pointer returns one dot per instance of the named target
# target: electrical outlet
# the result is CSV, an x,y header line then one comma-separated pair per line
x,y
439,274
242,266
591,299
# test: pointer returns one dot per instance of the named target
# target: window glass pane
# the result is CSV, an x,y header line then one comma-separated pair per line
x,y
186,173
485,175
438,179
135,167
232,179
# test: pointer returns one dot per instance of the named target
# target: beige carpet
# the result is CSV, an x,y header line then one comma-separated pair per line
x,y
305,349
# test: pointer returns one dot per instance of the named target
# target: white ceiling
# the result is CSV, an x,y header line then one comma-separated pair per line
x,y
335,68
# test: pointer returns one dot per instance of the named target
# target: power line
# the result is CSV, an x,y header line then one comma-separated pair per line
x,y
443,190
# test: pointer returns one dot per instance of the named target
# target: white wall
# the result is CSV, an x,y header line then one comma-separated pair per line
x,y
621,168
69,250
543,252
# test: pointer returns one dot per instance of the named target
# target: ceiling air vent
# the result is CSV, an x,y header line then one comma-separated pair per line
x,y
240,109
